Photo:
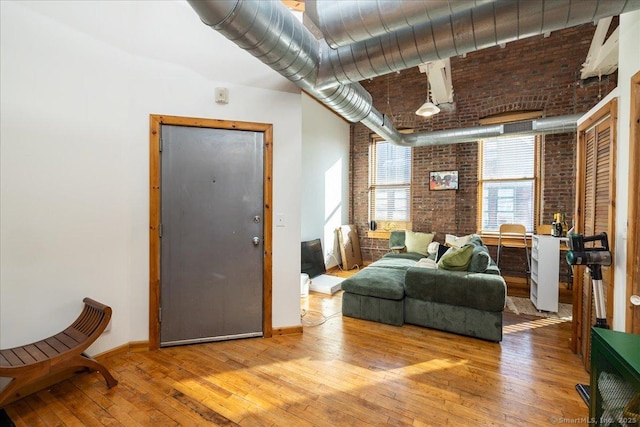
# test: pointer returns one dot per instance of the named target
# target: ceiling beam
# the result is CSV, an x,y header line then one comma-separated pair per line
x,y
602,58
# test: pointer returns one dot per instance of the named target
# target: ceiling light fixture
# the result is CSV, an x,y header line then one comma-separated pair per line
x,y
428,109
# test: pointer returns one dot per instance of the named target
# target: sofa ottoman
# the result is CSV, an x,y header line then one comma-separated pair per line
x,y
377,292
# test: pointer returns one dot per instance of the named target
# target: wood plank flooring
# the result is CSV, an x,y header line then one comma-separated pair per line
x,y
339,372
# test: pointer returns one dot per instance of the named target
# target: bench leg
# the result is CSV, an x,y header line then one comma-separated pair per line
x,y
8,392
94,365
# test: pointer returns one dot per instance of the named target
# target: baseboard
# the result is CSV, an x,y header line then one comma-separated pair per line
x,y
288,330
132,347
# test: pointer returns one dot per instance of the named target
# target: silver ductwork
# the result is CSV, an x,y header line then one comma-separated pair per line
x,y
486,25
346,22
268,31
271,33
547,125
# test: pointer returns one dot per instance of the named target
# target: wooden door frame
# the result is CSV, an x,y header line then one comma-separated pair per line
x,y
155,124
633,213
609,109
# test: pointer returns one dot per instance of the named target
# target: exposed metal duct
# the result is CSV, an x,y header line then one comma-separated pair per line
x,y
486,25
271,33
548,125
346,22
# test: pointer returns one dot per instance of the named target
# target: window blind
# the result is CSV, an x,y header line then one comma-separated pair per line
x,y
393,164
509,158
390,182
508,182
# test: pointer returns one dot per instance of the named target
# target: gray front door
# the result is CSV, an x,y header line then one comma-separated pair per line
x,y
211,274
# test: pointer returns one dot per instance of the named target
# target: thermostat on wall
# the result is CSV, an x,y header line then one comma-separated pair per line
x,y
222,95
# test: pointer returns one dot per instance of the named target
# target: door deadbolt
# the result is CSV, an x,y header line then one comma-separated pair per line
x,y
256,219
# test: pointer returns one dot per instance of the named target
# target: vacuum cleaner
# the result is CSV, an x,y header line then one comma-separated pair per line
x,y
594,257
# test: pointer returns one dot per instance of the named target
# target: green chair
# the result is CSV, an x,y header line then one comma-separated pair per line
x,y
396,241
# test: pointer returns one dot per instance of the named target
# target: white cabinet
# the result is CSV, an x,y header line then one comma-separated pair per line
x,y
545,255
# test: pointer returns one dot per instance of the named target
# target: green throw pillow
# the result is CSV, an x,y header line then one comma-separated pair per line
x,y
417,242
457,259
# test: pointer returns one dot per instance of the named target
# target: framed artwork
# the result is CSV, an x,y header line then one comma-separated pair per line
x,y
443,180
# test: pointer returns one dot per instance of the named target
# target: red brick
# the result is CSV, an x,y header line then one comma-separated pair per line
x,y
536,73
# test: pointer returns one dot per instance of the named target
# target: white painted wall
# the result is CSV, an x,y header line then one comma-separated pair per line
x,y
628,65
325,176
74,123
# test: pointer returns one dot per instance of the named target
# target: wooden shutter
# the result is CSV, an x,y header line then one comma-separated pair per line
x,y
595,213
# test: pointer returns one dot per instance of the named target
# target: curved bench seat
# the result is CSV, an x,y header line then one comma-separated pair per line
x,y
28,363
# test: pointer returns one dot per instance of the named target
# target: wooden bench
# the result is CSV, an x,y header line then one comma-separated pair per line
x,y
29,363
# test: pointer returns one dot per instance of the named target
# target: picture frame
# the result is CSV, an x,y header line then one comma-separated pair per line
x,y
443,180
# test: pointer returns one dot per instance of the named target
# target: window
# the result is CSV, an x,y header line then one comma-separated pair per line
x,y
508,182
389,183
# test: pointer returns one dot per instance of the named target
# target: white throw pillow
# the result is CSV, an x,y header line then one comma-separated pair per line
x,y
427,263
457,242
433,248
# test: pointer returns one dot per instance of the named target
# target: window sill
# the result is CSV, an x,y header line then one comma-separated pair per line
x,y
386,227
378,234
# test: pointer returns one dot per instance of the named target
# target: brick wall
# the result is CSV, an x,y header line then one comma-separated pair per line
x,y
537,73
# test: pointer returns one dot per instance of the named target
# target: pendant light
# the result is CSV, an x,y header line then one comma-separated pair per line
x,y
428,109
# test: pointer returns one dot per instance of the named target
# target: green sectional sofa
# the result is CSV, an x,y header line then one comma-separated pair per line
x,y
396,290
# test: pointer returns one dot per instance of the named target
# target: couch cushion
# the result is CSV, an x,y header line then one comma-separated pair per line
x,y
381,310
460,320
457,259
397,262
458,288
417,242
412,256
379,282
480,259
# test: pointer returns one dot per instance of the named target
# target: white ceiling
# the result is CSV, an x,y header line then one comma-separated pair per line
x,y
168,31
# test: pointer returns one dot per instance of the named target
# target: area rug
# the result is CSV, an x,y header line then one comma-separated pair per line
x,y
525,306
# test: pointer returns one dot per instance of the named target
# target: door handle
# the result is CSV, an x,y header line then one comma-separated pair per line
x,y
256,241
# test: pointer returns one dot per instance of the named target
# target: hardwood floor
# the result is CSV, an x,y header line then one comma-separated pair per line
x,y
342,372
